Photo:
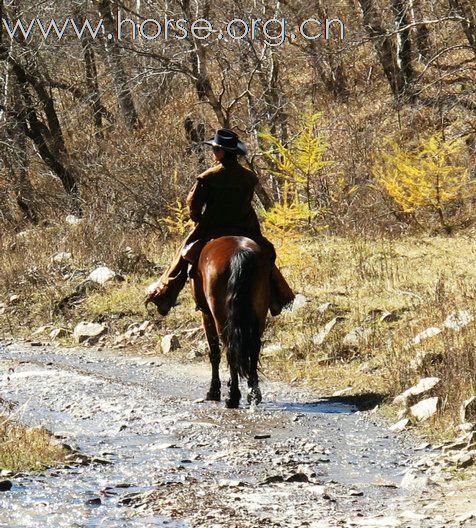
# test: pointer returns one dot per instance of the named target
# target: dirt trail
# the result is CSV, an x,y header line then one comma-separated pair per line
x,y
169,460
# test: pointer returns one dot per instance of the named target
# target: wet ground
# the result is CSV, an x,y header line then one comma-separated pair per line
x,y
164,458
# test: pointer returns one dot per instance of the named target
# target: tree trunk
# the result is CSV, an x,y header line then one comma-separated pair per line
x,y
383,46
24,189
404,45
195,133
52,152
466,10
422,34
92,84
121,84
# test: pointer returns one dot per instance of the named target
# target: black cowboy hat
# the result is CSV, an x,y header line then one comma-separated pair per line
x,y
227,140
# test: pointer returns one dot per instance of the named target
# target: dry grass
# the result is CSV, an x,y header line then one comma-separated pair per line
x,y
27,449
420,279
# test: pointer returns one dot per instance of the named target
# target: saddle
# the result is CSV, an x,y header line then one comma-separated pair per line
x,y
191,252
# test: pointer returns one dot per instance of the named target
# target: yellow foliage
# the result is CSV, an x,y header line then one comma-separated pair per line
x,y
178,221
423,176
302,158
282,224
288,216
297,165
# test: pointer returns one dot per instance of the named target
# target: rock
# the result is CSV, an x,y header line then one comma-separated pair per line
x,y
320,337
271,479
73,220
356,335
389,317
355,493
58,333
429,332
299,301
325,307
400,425
384,483
466,427
403,413
297,477
271,350
464,460
61,257
102,275
13,299
5,485
144,327
373,316
424,359
135,330
90,332
458,320
411,481
468,410
129,261
375,522
96,501
465,517
41,330
423,386
169,343
194,354
454,446
425,409
228,483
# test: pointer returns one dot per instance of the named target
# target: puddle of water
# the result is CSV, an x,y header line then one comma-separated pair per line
x,y
323,407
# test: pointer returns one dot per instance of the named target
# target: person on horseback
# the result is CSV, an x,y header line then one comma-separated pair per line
x,y
220,204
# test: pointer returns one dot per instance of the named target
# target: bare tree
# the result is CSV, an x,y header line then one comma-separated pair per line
x,y
404,46
384,47
467,11
121,82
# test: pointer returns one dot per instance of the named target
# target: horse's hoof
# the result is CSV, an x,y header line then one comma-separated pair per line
x,y
232,404
254,396
213,396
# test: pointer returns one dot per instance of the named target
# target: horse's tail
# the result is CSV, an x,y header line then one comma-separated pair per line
x,y
241,332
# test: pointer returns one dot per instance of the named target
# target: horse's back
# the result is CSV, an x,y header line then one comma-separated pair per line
x,y
218,252
227,263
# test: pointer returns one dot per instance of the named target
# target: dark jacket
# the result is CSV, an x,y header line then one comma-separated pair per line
x,y
221,200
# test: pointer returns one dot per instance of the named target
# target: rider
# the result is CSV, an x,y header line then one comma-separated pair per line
x,y
220,204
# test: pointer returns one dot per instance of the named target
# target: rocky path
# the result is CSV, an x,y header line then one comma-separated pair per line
x,y
165,458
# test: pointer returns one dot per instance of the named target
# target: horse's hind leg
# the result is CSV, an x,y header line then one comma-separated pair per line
x,y
234,395
254,392
214,392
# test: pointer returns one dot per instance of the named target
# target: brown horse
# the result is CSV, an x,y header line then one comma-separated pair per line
x,y
231,288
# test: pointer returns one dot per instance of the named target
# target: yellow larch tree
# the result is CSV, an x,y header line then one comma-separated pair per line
x,y
425,176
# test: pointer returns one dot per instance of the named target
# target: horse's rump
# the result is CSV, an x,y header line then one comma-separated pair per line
x,y
232,285
221,267
241,332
